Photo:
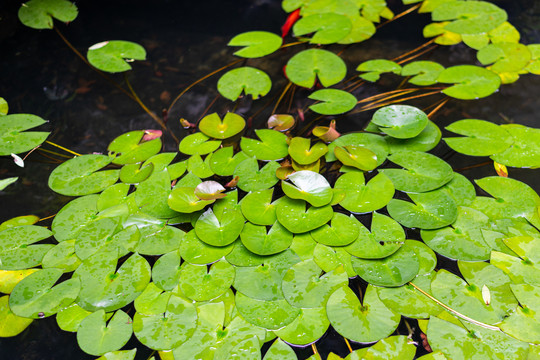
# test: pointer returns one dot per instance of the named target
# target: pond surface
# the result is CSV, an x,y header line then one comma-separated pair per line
x,y
185,40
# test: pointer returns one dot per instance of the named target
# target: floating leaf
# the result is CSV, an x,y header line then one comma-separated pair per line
x,y
10,278
425,72
469,18
310,325
308,65
257,43
4,107
342,230
257,240
525,151
524,323
211,125
425,141
13,138
75,215
293,215
223,163
273,145
280,351
251,178
39,14
328,28
400,121
258,208
397,346
358,157
472,82
443,36
362,29
201,284
135,173
271,315
374,68
113,56
152,195
375,143
95,337
505,57
482,138
281,122
220,231
184,200
309,186
130,148
198,144
361,197
249,80
69,318
16,249
303,153
11,324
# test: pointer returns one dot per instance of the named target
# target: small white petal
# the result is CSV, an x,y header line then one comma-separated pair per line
x,y
18,161
486,295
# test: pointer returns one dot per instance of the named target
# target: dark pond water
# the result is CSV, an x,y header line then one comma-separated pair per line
x,y
186,40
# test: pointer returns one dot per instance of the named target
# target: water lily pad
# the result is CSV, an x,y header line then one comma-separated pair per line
x,y
251,178
330,258
10,278
400,121
308,65
397,346
220,231
152,195
304,287
96,337
94,236
119,355
4,183
304,153
392,271
159,239
293,215
471,82
525,150
374,68
198,144
361,197
482,138
519,269
114,56
375,143
201,284
184,200
37,296
342,231
101,282
505,57
257,240
273,145
74,216
39,14
385,238
362,29
280,351
257,43
309,186
16,249
425,72
168,328
364,322
271,315
135,173
80,175
328,28
222,162
524,323
247,80
13,138
11,324
310,325
358,157
469,18
212,126
129,148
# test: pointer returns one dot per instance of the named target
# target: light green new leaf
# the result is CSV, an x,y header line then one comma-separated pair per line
x,y
257,43
39,14
247,80
333,101
114,56
13,138
308,65
471,82
482,138
96,337
328,28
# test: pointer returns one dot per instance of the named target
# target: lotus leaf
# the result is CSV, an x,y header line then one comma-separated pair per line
x,y
268,314
308,327
13,138
328,28
273,145
469,18
375,143
361,197
482,138
17,251
309,186
308,65
525,151
257,43
39,14
400,121
431,210
249,80
113,56
11,324
374,68
95,337
425,72
365,322
425,172
472,82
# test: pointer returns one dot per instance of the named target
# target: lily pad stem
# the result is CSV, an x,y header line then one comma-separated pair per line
x,y
348,344
371,107
54,153
401,14
438,107
412,57
314,347
63,148
287,87
414,50
456,313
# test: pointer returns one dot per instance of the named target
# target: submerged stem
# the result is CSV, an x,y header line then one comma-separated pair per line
x,y
438,107
63,148
348,344
314,347
287,87
370,107
410,10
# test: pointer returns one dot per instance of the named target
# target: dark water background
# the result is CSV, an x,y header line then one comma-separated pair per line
x,y
184,41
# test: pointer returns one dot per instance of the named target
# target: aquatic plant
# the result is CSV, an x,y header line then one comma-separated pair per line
x,y
244,241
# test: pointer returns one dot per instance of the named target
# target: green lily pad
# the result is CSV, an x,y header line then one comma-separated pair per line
x,y
469,18
505,57
365,322
80,176
13,138
257,43
201,284
94,236
39,14
293,215
304,287
303,153
220,231
431,210
257,240
361,197
471,82
375,143
330,258
362,29
62,256
426,256
374,68
10,278
119,355
251,178
212,126
11,324
273,145
525,151
461,190
520,269
342,231
101,282
158,239
247,80
198,144
222,162
258,207
152,195
166,270
280,351
309,186
37,296
425,72
69,318
482,138
16,249
171,326
424,172
271,315
358,157
328,28
237,332
392,271
199,167
113,195
524,323
400,121
184,200
308,65
4,107
308,327
113,56
4,183
385,238
397,346
129,148
135,173
96,337
74,216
